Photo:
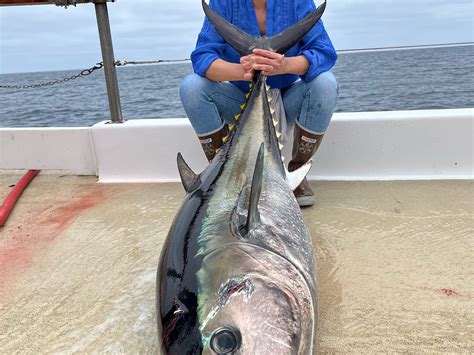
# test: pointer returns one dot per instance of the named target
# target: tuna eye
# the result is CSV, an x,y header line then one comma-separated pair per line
x,y
224,341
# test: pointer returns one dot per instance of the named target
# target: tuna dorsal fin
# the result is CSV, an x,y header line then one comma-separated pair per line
x,y
253,217
283,41
295,178
238,39
191,181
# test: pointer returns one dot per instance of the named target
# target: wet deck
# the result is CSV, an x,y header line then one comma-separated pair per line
x,y
78,262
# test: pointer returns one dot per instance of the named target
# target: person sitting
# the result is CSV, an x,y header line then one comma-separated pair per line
x,y
213,94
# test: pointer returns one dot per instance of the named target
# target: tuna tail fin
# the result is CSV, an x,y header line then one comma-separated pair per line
x,y
253,217
191,181
244,43
238,39
283,41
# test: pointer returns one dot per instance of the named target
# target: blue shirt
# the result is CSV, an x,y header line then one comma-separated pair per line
x,y
281,14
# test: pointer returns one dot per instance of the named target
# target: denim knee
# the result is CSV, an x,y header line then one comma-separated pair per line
x,y
191,90
319,103
325,85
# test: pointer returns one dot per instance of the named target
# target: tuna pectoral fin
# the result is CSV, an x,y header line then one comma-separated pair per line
x,y
283,41
191,181
257,181
295,178
238,39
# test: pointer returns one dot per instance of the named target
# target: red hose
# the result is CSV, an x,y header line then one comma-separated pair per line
x,y
14,195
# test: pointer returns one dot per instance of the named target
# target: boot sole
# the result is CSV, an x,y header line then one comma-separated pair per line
x,y
306,201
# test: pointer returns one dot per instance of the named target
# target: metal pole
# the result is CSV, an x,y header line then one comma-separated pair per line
x,y
109,60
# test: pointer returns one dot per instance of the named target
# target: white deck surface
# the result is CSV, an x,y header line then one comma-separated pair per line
x,y
78,263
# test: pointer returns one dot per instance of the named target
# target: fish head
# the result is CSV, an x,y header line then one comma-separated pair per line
x,y
252,301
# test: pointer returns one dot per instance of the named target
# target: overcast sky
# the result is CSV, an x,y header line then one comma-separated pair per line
x,y
46,37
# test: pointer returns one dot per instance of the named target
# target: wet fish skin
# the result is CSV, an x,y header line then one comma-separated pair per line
x,y
237,268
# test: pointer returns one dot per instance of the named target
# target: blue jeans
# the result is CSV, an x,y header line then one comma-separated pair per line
x,y
207,103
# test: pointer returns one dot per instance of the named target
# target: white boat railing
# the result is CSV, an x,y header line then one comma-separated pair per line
x,y
106,45
391,145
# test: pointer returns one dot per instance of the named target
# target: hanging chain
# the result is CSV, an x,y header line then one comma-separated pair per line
x,y
139,62
86,72
65,3
83,73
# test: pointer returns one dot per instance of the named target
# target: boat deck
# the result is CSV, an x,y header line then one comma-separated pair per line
x,y
78,262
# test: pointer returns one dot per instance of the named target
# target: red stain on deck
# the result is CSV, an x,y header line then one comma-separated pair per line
x,y
16,259
65,215
448,292
39,231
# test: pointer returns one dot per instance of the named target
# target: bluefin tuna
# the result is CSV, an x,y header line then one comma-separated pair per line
x,y
237,272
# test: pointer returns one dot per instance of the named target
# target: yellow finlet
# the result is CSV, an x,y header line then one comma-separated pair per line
x,y
278,134
232,127
270,99
272,110
275,122
218,150
267,87
242,106
247,95
237,117
225,139
280,146
282,158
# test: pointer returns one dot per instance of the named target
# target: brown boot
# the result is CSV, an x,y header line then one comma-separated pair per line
x,y
212,141
305,144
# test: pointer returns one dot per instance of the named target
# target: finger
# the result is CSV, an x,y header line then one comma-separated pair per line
x,y
248,76
263,67
268,54
267,61
247,62
248,66
245,59
262,60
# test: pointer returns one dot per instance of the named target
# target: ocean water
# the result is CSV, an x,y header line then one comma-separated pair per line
x,y
431,78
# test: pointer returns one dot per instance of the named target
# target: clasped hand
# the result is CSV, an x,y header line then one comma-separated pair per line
x,y
268,62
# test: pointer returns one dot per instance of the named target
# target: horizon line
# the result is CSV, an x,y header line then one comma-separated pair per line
x,y
354,50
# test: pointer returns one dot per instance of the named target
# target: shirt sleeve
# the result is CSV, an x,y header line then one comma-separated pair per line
x,y
317,48
210,45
